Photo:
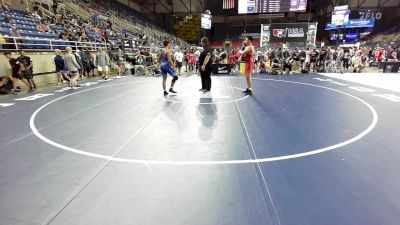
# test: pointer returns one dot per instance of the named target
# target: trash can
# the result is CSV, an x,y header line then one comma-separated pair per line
x,y
242,68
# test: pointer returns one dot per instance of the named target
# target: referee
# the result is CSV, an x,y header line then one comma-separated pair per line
x,y
205,61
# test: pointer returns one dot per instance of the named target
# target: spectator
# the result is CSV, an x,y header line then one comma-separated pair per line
x,y
155,67
103,62
356,61
178,59
121,62
55,6
191,60
60,67
263,67
88,63
71,66
393,57
78,58
26,69
377,54
40,27
84,38
7,19
15,32
15,72
4,7
2,40
35,6
296,67
196,56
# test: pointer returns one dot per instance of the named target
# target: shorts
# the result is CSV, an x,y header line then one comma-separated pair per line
x,y
102,68
249,68
120,63
167,69
16,76
287,66
179,64
27,74
313,60
60,71
71,73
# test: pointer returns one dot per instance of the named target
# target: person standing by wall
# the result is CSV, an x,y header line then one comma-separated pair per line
x,y
26,69
60,67
71,66
103,62
15,72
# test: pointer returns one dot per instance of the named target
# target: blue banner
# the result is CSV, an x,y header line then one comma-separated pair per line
x,y
330,26
350,37
360,23
353,23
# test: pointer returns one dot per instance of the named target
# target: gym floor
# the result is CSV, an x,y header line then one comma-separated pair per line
x,y
303,150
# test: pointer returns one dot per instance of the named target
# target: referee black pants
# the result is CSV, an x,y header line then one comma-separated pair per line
x,y
205,79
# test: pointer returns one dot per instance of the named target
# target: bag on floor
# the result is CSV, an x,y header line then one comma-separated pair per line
x,y
304,71
6,88
274,72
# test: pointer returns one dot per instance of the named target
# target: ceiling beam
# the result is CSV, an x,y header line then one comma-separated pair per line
x,y
166,7
148,9
187,8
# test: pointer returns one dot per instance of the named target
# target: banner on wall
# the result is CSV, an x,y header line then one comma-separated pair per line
x,y
312,33
264,35
288,32
254,35
353,23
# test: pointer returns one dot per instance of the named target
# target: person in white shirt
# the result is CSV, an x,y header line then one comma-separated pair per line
x,y
196,56
179,59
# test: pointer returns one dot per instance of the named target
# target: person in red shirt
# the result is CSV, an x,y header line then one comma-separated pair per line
x,y
263,67
378,54
190,59
231,57
236,54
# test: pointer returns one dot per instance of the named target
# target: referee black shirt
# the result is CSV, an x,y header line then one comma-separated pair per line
x,y
207,51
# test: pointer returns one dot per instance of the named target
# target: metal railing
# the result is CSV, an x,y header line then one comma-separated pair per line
x,y
44,44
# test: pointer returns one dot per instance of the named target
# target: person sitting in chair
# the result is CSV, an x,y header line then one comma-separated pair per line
x,y
263,67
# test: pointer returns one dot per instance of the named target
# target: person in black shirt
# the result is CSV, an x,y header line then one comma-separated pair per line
x,y
15,71
313,59
26,69
205,60
322,57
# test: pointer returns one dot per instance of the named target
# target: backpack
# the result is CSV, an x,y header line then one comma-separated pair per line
x,y
24,61
304,71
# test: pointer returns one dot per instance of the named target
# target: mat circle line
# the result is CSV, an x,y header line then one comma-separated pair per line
x,y
210,162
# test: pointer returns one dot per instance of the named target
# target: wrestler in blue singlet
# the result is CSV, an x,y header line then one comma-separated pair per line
x,y
165,67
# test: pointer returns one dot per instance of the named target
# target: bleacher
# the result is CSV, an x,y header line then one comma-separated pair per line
x,y
387,34
31,38
26,25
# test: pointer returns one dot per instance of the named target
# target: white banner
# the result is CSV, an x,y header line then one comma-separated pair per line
x,y
265,35
312,33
